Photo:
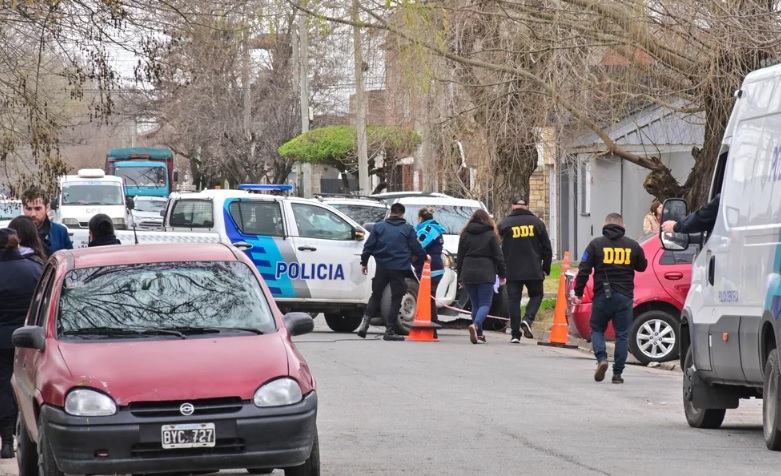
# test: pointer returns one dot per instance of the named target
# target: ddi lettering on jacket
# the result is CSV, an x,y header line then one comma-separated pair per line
x,y
616,256
523,231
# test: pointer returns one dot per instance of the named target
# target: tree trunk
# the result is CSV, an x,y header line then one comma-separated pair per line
x,y
512,171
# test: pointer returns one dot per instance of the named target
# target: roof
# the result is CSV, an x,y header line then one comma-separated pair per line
x,y
652,126
149,253
152,152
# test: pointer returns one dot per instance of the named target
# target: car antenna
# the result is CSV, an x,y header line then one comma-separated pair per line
x,y
135,235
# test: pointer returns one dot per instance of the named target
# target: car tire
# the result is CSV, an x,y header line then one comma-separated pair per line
x,y
699,417
408,306
47,465
655,337
499,308
343,321
311,466
771,413
26,451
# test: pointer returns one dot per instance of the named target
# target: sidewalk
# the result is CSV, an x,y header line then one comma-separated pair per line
x,y
8,467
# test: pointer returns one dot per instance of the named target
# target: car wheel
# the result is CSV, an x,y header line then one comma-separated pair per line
x,y
771,417
343,321
311,466
499,309
26,451
654,337
409,303
47,465
699,417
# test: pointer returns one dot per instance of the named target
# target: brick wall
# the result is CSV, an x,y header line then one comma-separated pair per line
x,y
539,195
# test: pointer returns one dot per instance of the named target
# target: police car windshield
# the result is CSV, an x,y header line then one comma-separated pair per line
x,y
10,210
361,213
80,193
213,295
452,218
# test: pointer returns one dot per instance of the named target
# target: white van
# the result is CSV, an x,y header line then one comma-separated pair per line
x,y
731,330
85,195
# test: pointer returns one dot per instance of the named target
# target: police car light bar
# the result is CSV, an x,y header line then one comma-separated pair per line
x,y
262,187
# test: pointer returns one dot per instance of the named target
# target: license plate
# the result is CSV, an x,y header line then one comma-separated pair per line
x,y
189,435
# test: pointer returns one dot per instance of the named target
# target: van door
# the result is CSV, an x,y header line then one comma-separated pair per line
x,y
328,255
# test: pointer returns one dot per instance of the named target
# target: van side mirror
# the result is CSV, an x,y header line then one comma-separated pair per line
x,y
130,203
674,209
299,323
29,337
176,175
55,203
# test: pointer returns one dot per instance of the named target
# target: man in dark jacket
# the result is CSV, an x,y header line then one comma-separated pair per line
x,y
527,254
393,243
614,259
698,222
54,236
101,231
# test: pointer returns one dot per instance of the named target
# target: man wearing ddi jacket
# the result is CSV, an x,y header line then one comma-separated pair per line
x,y
527,254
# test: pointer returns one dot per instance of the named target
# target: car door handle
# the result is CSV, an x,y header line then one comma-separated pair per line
x,y
673,276
307,248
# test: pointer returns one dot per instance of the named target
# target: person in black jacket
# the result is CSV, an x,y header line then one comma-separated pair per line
x,y
394,244
29,242
429,233
527,254
480,260
614,259
18,278
101,231
698,222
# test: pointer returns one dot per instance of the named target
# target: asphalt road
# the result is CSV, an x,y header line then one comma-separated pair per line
x,y
456,408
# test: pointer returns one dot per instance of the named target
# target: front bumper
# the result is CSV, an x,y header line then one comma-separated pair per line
x,y
123,443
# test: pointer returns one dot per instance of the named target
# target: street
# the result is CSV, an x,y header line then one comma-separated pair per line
x,y
456,408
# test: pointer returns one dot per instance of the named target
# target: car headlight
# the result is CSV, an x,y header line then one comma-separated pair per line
x,y
70,221
89,403
118,221
277,393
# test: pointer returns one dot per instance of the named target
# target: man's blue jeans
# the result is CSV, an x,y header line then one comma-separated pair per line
x,y
481,296
619,310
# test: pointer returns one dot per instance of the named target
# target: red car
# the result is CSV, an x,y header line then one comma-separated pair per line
x,y
161,358
660,292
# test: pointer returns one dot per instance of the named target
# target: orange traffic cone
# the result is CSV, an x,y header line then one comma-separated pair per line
x,y
422,329
558,333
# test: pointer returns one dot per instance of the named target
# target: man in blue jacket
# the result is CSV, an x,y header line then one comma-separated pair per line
x,y
393,243
53,235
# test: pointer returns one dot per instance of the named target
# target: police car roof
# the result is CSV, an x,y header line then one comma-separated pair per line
x,y
148,253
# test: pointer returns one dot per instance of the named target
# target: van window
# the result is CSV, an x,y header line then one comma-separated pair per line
x,y
257,217
192,214
318,222
740,167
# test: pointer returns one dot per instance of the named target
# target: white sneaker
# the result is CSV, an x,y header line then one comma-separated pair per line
x,y
515,340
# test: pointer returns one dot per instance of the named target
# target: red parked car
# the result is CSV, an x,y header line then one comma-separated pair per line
x,y
161,358
660,292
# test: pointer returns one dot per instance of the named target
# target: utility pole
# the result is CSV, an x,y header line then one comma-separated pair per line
x,y
305,177
360,104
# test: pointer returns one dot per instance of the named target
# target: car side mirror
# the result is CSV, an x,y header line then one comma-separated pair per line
x,y
176,175
130,203
55,203
29,337
674,209
299,323
358,234
162,213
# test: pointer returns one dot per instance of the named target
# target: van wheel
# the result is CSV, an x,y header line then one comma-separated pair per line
x,y
700,417
47,465
409,303
771,417
343,321
311,466
655,337
26,451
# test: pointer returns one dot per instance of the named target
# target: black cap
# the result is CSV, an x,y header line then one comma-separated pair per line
x,y
519,200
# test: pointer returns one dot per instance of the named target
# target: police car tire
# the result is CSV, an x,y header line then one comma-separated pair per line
x,y
637,324
412,292
343,321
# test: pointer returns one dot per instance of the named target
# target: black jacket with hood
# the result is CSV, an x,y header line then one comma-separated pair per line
x,y
480,257
614,258
106,240
526,246
393,243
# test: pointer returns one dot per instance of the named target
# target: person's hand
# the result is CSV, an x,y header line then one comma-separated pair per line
x,y
546,273
428,258
668,226
575,300
460,285
502,281
364,270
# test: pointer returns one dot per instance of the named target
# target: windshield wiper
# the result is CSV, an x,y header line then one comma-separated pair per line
x,y
115,331
212,330
254,330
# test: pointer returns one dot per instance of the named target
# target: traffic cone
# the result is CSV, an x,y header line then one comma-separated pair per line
x,y
559,332
422,329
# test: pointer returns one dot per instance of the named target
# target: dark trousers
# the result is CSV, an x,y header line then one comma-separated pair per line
x,y
8,409
480,295
398,284
434,283
619,310
514,296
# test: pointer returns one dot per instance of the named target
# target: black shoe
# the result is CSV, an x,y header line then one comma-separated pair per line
x,y
7,449
392,336
602,366
363,328
526,327
617,378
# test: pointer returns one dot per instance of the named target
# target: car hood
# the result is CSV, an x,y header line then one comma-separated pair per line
x,y
162,369
150,215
